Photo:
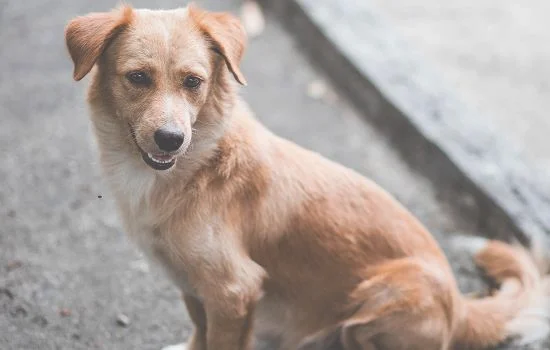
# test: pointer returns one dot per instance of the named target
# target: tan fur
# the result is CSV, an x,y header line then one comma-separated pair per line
x,y
88,38
227,33
254,229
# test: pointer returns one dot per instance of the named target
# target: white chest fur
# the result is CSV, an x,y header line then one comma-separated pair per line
x,y
156,249
132,185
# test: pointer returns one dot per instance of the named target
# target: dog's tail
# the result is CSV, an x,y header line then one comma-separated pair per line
x,y
519,308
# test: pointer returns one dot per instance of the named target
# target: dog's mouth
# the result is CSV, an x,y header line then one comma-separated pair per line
x,y
157,161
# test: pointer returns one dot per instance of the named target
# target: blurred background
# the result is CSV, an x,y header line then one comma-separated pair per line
x,y
494,54
69,278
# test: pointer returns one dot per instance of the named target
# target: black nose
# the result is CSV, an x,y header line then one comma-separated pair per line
x,y
169,138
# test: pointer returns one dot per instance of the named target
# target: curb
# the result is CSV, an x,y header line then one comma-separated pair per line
x,y
479,175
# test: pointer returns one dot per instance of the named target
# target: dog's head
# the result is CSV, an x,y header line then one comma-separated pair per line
x,y
156,70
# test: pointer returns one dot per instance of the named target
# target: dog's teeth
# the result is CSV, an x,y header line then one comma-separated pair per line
x,y
161,161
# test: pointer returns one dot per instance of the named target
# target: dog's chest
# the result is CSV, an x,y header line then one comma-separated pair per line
x,y
132,187
160,254
159,251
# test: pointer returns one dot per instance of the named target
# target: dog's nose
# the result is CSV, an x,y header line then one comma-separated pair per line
x,y
169,138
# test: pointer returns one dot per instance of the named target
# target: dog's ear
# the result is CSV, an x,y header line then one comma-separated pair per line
x,y
87,37
227,35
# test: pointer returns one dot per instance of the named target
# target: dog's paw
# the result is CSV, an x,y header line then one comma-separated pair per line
x,y
182,346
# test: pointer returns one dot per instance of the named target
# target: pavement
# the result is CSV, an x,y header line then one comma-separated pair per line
x,y
493,53
69,278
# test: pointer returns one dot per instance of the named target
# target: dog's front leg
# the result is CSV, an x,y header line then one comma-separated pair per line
x,y
198,316
229,317
230,331
229,303
223,316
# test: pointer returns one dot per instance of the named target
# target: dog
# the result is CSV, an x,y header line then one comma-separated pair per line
x,y
261,235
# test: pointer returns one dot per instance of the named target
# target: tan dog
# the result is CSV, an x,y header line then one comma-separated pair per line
x,y
255,230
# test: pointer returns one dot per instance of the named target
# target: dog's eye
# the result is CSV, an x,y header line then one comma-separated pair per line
x,y
192,82
138,78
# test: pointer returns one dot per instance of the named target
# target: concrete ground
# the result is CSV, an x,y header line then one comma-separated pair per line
x,y
495,55
69,278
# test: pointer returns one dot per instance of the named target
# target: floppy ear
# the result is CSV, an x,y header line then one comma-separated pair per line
x,y
87,37
227,35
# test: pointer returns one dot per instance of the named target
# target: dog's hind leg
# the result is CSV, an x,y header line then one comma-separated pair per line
x,y
405,305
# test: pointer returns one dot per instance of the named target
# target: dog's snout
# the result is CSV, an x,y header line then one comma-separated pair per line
x,y
169,138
